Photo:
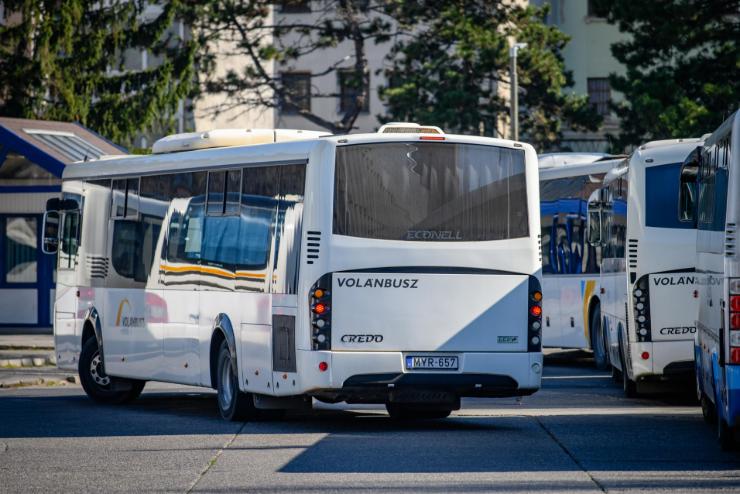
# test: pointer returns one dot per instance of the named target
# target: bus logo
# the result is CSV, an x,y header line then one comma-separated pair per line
x,y
127,321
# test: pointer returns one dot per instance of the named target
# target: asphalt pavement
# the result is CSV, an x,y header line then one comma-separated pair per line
x,y
578,434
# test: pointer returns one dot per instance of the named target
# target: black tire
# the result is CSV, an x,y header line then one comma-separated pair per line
x,y
406,412
233,405
598,340
616,375
98,385
628,385
707,409
725,434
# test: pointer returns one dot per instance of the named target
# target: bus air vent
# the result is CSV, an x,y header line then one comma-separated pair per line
x,y
97,266
539,246
313,245
632,254
730,240
408,128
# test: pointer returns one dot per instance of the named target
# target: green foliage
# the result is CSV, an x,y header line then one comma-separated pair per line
x,y
683,66
64,61
452,70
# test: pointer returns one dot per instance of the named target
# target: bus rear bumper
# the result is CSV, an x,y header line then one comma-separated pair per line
x,y
380,377
668,361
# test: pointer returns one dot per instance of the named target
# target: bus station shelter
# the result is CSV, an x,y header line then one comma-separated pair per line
x,y
33,154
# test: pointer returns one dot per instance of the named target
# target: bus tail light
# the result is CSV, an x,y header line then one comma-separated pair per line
x,y
641,303
534,330
734,320
319,302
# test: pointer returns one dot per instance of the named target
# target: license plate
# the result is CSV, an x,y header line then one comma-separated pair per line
x,y
431,362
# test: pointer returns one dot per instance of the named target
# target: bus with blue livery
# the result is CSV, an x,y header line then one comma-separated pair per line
x,y
710,182
570,265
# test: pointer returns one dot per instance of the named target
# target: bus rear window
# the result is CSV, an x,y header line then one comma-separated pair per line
x,y
661,197
425,191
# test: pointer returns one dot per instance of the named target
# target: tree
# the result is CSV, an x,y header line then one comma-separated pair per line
x,y
450,68
248,29
683,66
65,61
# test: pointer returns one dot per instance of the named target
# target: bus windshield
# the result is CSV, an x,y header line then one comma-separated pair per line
x,y
430,191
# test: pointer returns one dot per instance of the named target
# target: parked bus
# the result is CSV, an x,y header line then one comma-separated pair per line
x,y
570,265
399,268
648,267
714,168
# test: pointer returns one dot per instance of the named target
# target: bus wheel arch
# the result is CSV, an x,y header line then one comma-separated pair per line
x,y
222,331
92,328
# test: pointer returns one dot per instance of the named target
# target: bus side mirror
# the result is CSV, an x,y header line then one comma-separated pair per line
x,y
50,241
593,224
688,188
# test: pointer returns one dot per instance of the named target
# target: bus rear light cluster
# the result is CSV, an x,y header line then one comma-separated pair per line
x,y
641,299
320,305
734,321
534,329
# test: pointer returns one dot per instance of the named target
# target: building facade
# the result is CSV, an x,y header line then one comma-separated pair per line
x,y
588,56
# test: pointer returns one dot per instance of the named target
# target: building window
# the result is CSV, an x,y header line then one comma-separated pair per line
x,y
592,10
599,94
295,6
297,86
350,89
20,250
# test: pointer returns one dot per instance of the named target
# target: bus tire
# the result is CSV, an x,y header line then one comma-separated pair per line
x,y
725,434
707,409
628,385
406,412
98,385
616,374
598,340
233,405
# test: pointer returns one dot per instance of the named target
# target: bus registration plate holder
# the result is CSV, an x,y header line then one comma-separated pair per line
x,y
432,362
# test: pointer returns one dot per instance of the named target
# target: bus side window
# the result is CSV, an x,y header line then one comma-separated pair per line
x,y
259,203
288,228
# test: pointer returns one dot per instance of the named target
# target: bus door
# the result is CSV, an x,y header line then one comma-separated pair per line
x,y
180,280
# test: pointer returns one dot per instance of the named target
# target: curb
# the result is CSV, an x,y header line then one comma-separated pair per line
x,y
22,382
14,363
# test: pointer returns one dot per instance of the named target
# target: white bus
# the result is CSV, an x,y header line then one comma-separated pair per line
x,y
648,267
399,268
570,265
714,168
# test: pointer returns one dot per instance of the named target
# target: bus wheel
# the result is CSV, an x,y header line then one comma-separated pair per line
x,y
707,409
232,403
725,434
100,386
616,375
406,412
628,385
598,342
